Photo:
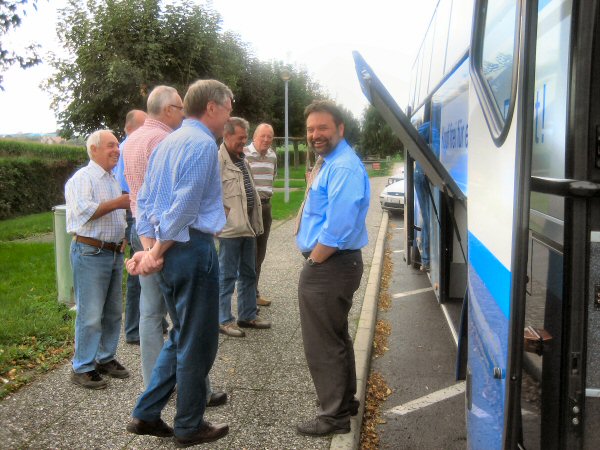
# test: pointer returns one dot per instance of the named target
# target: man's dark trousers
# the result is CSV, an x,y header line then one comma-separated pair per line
x,y
261,241
325,293
190,284
132,300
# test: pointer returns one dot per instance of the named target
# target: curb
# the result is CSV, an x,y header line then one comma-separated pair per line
x,y
363,341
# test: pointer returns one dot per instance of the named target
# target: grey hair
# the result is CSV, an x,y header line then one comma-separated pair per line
x,y
94,139
201,92
235,122
159,98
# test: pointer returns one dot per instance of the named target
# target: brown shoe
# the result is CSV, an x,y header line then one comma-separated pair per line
x,y
155,428
89,380
317,427
207,433
231,329
113,368
262,301
257,323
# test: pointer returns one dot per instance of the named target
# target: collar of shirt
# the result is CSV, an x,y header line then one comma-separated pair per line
x,y
339,149
153,123
234,157
253,152
97,171
195,123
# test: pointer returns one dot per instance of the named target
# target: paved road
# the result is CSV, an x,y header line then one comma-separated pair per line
x,y
426,407
265,375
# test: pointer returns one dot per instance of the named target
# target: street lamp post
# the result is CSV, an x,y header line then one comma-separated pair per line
x,y
285,76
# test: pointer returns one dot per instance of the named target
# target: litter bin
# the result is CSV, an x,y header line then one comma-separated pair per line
x,y
62,249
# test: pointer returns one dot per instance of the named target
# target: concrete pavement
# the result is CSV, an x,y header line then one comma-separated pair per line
x,y
265,374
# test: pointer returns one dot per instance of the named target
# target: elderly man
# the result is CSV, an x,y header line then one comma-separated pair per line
x,y
330,233
133,120
180,209
237,242
263,166
165,113
96,218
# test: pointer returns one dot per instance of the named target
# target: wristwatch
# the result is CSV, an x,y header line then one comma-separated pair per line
x,y
310,261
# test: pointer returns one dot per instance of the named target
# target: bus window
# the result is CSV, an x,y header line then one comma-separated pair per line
x,y
459,33
438,56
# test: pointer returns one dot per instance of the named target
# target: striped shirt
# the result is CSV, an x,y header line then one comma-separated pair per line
x,y
263,168
182,188
90,186
136,153
239,162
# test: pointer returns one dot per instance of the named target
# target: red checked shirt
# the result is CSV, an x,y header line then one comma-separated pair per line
x,y
136,153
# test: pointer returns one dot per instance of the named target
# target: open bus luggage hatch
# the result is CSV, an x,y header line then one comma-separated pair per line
x,y
381,99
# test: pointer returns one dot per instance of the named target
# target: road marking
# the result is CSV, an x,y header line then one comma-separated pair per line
x,y
428,400
398,251
408,293
398,228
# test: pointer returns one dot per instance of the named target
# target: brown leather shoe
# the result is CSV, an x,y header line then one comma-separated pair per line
x,y
317,427
231,329
257,323
155,428
89,380
207,433
262,301
217,398
113,368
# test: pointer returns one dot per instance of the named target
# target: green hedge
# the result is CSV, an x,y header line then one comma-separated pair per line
x,y
32,185
10,148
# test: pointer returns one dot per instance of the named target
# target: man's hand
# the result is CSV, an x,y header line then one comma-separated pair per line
x,y
143,263
123,202
134,263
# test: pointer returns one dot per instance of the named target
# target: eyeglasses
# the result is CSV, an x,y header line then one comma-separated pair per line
x,y
180,108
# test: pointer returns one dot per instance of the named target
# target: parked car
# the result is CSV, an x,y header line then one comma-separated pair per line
x,y
392,196
397,177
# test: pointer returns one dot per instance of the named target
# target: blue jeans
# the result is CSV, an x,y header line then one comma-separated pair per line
x,y
132,297
237,260
153,310
189,281
97,277
422,188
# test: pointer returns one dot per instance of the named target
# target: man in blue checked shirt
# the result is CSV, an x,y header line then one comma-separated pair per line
x,y
330,233
179,210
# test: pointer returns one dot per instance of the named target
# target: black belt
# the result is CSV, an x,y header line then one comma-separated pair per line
x,y
337,253
110,246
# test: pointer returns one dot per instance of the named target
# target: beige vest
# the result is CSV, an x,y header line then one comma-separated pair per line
x,y
234,198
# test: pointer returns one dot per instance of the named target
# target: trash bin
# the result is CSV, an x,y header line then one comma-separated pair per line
x,y
62,249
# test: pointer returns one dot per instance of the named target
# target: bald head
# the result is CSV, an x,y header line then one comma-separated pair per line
x,y
133,120
263,138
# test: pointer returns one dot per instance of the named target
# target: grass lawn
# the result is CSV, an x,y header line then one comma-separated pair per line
x,y
281,210
37,332
26,226
293,183
294,173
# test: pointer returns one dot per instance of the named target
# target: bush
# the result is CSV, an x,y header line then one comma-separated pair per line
x,y
10,148
32,185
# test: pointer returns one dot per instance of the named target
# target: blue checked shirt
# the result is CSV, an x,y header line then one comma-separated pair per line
x,y
337,203
119,170
90,186
182,187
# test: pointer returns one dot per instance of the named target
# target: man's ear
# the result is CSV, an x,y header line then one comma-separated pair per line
x,y
341,129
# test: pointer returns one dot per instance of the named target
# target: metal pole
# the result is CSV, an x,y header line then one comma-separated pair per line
x,y
287,160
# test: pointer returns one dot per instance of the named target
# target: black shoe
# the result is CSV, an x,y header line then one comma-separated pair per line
x,y
89,380
317,427
133,342
207,433
257,323
217,398
155,428
113,368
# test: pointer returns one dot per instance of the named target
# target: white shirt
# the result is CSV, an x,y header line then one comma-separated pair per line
x,y
90,186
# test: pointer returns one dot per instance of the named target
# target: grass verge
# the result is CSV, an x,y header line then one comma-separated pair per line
x,y
294,183
37,332
281,210
26,226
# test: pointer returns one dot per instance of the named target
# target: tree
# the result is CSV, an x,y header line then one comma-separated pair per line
x,y
10,18
121,49
377,137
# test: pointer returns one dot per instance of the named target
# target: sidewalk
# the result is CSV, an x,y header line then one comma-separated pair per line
x,y
264,374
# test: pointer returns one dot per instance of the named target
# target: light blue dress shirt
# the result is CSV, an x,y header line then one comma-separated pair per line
x,y
337,203
119,169
182,187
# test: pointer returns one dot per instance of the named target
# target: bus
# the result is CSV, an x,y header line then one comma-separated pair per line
x,y
503,124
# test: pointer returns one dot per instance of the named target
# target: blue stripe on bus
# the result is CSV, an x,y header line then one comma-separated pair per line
x,y
492,272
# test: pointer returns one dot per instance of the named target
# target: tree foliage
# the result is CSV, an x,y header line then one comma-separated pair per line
x,y
121,49
11,13
377,137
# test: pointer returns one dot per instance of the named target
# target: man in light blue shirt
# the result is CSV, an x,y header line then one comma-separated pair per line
x,y
330,232
179,210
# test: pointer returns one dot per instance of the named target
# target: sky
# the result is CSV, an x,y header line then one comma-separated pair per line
x,y
318,35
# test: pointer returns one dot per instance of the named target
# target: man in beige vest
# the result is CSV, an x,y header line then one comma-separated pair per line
x,y
237,241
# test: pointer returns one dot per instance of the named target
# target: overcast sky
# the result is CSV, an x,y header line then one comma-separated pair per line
x,y
319,35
